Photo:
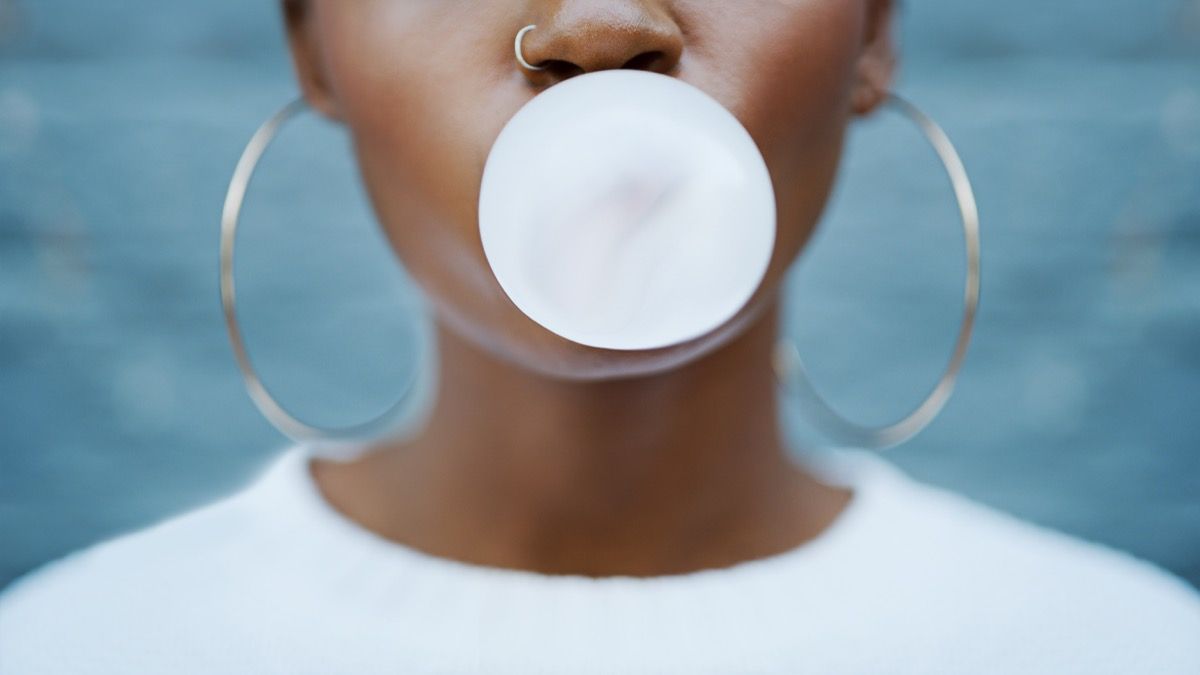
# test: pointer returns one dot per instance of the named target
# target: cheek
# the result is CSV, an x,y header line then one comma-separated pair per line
x,y
786,69
423,105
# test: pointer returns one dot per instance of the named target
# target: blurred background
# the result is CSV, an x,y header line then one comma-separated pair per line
x,y
1079,407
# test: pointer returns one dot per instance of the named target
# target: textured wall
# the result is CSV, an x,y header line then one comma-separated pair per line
x,y
1079,120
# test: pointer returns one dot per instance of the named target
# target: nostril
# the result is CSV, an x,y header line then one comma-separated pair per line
x,y
561,70
644,61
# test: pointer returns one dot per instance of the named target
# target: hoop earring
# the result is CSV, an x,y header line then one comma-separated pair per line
x,y
790,370
337,440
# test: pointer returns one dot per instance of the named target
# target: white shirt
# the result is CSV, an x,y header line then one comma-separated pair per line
x,y
909,579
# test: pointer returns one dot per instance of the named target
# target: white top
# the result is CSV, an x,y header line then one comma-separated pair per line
x,y
909,579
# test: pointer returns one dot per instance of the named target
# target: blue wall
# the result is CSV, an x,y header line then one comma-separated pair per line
x,y
1079,120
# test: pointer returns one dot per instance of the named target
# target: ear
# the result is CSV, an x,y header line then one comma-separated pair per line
x,y
877,61
306,57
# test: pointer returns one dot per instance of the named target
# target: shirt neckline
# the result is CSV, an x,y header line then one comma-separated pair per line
x,y
292,492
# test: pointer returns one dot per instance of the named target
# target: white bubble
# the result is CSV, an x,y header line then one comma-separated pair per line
x,y
627,210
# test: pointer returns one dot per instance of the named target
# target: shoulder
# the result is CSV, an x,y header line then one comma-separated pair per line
x,y
116,596
1033,591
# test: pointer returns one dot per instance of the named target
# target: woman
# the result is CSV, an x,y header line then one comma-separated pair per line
x,y
566,508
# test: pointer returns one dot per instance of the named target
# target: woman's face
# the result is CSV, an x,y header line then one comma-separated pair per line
x,y
425,87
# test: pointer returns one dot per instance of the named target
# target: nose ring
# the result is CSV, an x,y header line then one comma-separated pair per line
x,y
520,55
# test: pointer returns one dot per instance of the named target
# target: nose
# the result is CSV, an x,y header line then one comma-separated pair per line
x,y
582,36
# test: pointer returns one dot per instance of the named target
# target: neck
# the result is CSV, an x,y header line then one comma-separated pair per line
x,y
666,473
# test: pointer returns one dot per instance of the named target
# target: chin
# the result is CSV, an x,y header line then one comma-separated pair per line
x,y
531,347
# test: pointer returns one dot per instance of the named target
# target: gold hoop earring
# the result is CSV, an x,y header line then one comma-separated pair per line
x,y
280,418
789,367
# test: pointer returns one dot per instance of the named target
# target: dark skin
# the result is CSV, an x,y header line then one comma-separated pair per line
x,y
542,454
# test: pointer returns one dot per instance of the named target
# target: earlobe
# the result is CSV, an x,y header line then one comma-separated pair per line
x,y
876,65
311,76
872,86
